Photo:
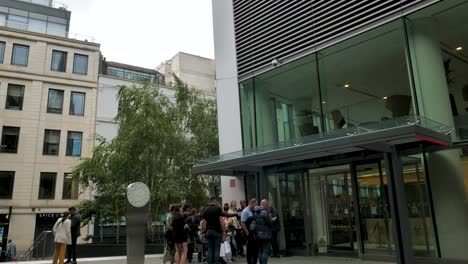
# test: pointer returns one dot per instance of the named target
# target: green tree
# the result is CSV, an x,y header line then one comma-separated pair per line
x,y
157,141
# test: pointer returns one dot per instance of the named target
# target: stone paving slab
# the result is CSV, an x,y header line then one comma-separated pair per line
x,y
157,259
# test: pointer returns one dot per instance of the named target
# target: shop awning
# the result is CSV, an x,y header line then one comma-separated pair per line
x,y
379,136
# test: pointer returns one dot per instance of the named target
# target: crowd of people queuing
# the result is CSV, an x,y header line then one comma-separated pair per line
x,y
66,232
220,234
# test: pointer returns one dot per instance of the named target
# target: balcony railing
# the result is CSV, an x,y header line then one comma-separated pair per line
x,y
44,29
49,3
335,134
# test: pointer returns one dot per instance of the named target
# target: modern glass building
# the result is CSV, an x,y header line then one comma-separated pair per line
x,y
351,117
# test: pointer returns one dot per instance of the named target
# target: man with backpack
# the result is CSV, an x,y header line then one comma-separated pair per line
x,y
263,231
248,226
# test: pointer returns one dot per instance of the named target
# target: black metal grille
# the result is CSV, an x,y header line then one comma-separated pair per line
x,y
268,29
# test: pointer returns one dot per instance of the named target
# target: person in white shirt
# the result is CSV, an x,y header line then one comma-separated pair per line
x,y
62,238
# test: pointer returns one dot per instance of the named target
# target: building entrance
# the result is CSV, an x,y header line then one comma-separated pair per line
x,y
346,209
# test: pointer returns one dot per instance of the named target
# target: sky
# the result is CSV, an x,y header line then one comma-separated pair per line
x,y
144,32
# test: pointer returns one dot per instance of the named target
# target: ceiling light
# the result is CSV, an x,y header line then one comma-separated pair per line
x,y
324,102
385,98
459,49
347,86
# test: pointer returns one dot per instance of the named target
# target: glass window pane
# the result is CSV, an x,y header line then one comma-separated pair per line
x,y
439,52
3,19
47,185
80,64
51,142
59,61
70,187
15,96
74,144
248,114
2,51
20,55
56,29
77,103
55,101
18,22
7,179
287,102
10,139
37,25
365,79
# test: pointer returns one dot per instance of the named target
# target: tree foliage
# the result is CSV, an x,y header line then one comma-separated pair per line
x,y
158,139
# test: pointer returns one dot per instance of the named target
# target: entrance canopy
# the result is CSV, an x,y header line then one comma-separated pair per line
x,y
401,133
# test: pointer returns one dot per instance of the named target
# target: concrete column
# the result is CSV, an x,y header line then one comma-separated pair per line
x,y
445,170
227,91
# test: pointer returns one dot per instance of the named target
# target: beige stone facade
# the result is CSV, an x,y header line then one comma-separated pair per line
x,y
29,162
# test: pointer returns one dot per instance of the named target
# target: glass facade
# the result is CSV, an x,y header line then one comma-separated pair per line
x,y
360,81
34,22
416,65
135,76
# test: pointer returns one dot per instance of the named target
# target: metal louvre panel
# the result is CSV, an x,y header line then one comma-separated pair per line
x,y
268,29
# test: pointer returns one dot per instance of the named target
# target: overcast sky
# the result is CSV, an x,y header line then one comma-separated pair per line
x,y
145,32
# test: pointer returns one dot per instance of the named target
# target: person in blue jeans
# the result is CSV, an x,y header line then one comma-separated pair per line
x,y
264,231
215,230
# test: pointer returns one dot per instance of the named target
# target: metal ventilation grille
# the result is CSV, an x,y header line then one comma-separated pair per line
x,y
267,29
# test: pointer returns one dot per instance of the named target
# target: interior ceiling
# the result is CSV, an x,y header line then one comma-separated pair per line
x,y
371,67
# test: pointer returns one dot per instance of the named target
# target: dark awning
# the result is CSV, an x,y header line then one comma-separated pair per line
x,y
379,137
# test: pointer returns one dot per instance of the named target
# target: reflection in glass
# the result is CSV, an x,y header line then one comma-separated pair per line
x,y
70,186
365,79
74,143
422,232
77,103
248,114
59,61
20,55
374,206
55,101
287,102
80,64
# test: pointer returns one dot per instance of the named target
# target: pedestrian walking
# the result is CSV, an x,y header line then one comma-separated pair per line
x,y
75,219
180,235
264,230
215,231
62,238
247,220
276,229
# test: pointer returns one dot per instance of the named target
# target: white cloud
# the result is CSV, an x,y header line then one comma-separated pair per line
x,y
145,32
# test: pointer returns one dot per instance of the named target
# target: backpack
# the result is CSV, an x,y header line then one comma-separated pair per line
x,y
263,226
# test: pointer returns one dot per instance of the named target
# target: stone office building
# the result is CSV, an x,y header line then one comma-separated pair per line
x,y
48,89
352,118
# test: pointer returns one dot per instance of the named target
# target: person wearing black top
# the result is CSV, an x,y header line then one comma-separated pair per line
x,y
75,219
215,233
180,236
276,228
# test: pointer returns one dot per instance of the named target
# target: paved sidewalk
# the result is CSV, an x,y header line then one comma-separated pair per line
x,y
157,259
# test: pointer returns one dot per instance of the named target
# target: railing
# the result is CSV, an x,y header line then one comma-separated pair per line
x,y
49,3
45,29
41,241
357,129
